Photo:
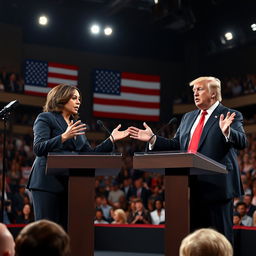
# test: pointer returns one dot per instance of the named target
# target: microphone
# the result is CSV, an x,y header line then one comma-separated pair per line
x,y
171,122
9,108
100,123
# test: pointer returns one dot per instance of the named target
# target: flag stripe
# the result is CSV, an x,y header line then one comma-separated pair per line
x,y
65,76
63,71
129,96
140,84
125,109
125,103
59,65
140,91
140,77
36,89
53,80
126,116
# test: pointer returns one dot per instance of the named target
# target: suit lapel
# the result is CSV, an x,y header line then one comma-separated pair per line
x,y
61,122
212,120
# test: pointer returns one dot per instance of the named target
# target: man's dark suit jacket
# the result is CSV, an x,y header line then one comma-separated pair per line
x,y
212,144
48,128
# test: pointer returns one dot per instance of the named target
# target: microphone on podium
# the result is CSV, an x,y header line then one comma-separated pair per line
x,y
100,123
171,122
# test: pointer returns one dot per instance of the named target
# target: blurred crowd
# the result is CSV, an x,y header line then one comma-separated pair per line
x,y
132,196
11,81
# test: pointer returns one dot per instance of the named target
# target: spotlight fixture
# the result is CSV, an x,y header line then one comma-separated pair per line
x,y
156,1
253,27
229,36
95,29
108,31
43,20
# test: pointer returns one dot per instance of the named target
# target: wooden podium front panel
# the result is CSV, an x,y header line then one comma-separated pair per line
x,y
81,215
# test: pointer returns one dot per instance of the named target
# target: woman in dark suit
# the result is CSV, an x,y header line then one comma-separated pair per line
x,y
57,130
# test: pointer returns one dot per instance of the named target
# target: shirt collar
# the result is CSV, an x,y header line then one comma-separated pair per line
x,y
212,108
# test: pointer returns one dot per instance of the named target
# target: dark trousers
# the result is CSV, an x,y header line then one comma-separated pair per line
x,y
212,214
51,206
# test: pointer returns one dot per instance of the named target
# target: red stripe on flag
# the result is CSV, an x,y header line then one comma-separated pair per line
x,y
126,116
140,77
58,65
127,103
140,90
64,76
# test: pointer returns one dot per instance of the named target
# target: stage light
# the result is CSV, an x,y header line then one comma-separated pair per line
x,y
43,20
156,1
229,36
253,27
95,29
108,31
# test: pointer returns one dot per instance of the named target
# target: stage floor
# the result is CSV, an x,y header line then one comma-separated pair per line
x,y
112,253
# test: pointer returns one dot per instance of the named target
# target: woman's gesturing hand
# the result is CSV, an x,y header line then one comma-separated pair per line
x,y
118,135
73,129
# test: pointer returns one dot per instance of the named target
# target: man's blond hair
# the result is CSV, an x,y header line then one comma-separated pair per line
x,y
213,84
204,242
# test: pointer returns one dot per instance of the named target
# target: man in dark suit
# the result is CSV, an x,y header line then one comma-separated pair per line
x,y
216,132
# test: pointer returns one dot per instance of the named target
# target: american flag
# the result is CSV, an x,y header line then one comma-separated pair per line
x,y
126,95
41,76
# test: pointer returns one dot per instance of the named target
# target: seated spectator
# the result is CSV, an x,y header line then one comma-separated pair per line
x,y
116,195
119,217
42,238
237,219
140,190
6,242
142,216
27,215
158,215
105,207
99,218
131,210
241,209
205,242
250,208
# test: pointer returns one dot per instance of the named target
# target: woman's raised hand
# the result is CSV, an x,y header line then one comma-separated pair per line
x,y
73,129
118,135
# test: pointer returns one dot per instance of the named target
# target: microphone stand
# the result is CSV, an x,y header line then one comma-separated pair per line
x,y
5,118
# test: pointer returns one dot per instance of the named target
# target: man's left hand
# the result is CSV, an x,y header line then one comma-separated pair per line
x,y
226,122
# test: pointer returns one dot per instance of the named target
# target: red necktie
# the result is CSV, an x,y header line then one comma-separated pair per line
x,y
193,145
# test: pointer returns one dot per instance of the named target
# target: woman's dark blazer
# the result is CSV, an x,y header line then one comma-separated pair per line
x,y
48,128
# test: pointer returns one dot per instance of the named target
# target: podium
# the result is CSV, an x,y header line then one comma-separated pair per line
x,y
177,167
82,169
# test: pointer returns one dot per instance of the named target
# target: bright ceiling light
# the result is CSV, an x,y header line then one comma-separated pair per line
x,y
229,36
253,27
95,29
108,31
43,20
156,1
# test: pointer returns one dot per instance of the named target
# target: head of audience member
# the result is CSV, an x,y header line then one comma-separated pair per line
x,y
6,242
98,201
241,208
120,217
99,215
138,183
139,205
204,242
207,90
159,205
42,238
115,185
247,199
236,218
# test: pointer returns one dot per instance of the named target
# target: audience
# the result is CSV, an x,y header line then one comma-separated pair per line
x,y
205,242
119,217
6,242
42,238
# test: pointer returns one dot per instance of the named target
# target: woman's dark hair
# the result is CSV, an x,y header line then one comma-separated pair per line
x,y
58,96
